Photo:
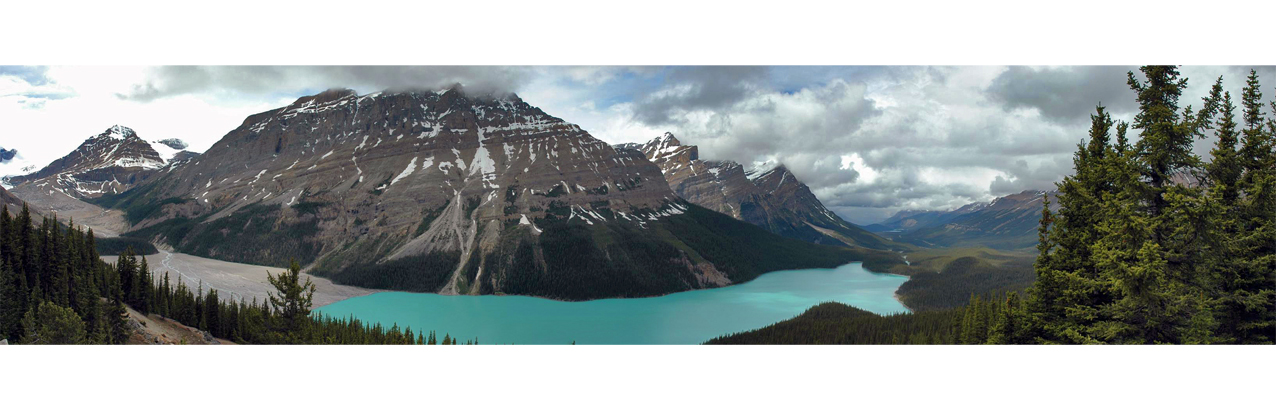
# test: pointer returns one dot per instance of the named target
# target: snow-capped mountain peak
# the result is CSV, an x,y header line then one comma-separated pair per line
x,y
119,132
110,162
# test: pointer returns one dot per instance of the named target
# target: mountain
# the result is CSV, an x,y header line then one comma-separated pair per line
x,y
770,197
441,191
907,220
108,163
7,155
1006,223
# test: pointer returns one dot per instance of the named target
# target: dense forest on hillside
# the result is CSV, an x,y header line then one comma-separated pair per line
x,y
117,245
1150,245
54,289
947,277
953,285
981,321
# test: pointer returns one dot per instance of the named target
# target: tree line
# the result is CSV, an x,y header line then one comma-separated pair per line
x,y
55,289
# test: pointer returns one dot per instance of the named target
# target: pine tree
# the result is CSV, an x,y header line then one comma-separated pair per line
x,y
1226,166
117,317
1248,283
1008,326
50,323
1072,291
293,300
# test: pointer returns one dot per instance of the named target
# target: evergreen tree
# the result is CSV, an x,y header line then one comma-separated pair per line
x,y
294,298
1226,167
1008,326
50,323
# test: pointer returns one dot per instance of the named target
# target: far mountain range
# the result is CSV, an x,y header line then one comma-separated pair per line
x,y
1005,223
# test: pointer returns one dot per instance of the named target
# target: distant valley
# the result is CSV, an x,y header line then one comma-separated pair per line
x,y
1005,223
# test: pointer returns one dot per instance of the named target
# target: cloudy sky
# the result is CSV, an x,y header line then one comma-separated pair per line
x,y
869,140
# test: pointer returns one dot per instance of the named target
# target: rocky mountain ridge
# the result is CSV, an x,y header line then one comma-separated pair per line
x,y
1007,223
769,196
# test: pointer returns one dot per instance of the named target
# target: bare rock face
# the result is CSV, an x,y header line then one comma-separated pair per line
x,y
109,163
770,197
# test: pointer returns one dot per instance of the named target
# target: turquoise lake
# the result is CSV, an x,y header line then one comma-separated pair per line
x,y
680,318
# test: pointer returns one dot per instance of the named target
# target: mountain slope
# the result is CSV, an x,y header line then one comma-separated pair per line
x,y
907,220
445,192
1006,223
769,197
8,199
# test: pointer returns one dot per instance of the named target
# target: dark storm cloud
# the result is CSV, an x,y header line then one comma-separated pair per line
x,y
176,80
802,128
900,189
1067,95
688,89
